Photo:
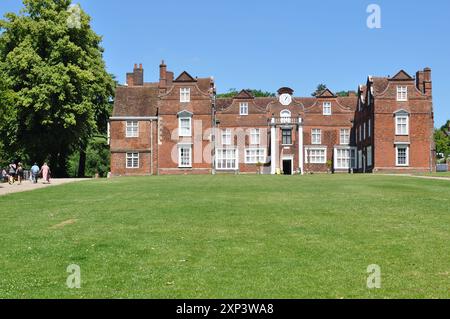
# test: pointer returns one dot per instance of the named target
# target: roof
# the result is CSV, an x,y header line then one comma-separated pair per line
x,y
379,84
136,101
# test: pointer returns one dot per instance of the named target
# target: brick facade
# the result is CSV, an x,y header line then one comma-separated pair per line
x,y
178,126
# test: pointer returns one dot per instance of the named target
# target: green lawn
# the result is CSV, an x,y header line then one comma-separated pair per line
x,y
229,237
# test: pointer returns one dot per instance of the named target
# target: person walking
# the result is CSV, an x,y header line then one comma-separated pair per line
x,y
12,173
45,169
35,173
19,173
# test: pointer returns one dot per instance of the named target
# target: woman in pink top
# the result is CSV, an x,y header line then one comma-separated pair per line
x,y
45,173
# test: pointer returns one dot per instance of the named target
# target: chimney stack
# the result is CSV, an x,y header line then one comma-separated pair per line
x,y
138,75
162,76
428,85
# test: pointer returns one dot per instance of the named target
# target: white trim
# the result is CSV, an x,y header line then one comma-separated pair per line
x,y
347,136
185,146
133,157
180,131
313,148
402,93
226,159
256,156
352,157
315,142
407,155
327,106
243,106
288,158
185,95
134,129
397,131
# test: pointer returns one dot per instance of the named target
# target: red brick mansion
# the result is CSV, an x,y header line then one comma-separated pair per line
x,y
178,126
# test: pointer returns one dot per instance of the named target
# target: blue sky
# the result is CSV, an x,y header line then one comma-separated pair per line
x,y
270,44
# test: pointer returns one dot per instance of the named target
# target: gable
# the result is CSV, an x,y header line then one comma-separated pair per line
x,y
185,77
402,75
326,94
244,94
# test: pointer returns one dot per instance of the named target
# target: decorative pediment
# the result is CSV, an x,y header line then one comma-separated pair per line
x,y
326,94
401,112
244,94
285,90
402,76
184,114
185,77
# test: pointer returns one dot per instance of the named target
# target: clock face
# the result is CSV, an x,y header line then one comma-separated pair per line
x,y
285,99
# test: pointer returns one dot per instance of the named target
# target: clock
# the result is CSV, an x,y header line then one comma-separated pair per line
x,y
285,99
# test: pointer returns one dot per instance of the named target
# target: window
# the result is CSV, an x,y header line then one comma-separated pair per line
x,y
226,159
226,137
132,129
369,124
285,116
316,155
185,95
345,136
132,160
243,108
255,155
316,136
360,159
364,132
369,156
327,108
360,133
185,156
185,127
402,93
401,125
402,155
255,137
287,137
345,158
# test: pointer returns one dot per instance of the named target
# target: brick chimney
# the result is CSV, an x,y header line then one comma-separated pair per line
x,y
423,82
136,78
162,76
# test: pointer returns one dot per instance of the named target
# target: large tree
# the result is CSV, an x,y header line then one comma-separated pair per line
x,y
442,140
53,62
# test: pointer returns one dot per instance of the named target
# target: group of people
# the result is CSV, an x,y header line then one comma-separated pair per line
x,y
15,172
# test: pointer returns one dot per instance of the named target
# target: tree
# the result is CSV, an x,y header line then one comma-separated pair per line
x,y
320,88
256,93
442,140
53,62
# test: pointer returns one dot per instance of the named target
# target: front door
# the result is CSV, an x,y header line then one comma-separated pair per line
x,y
287,167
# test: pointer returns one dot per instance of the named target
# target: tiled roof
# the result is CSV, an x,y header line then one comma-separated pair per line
x,y
380,84
136,101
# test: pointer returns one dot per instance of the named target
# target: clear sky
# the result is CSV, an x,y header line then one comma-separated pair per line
x,y
269,44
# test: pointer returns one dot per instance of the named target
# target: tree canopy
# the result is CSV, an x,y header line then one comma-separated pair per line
x,y
55,79
256,93
442,140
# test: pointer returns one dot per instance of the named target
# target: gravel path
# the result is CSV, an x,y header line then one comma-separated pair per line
x,y
26,186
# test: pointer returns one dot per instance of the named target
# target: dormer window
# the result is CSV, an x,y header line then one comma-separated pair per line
x,y
243,108
327,108
132,129
402,93
185,95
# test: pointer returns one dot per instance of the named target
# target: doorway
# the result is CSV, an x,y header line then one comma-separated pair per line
x,y
287,166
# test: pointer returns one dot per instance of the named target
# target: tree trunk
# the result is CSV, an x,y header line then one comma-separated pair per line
x,y
82,163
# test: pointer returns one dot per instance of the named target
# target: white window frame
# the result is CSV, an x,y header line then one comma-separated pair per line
x,y
344,136
227,137
316,136
351,159
255,136
252,156
401,146
134,158
327,108
227,163
132,129
285,116
402,93
243,108
360,159
182,147
308,155
184,131
398,131
185,95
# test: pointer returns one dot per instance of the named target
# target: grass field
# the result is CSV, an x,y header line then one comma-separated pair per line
x,y
229,237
